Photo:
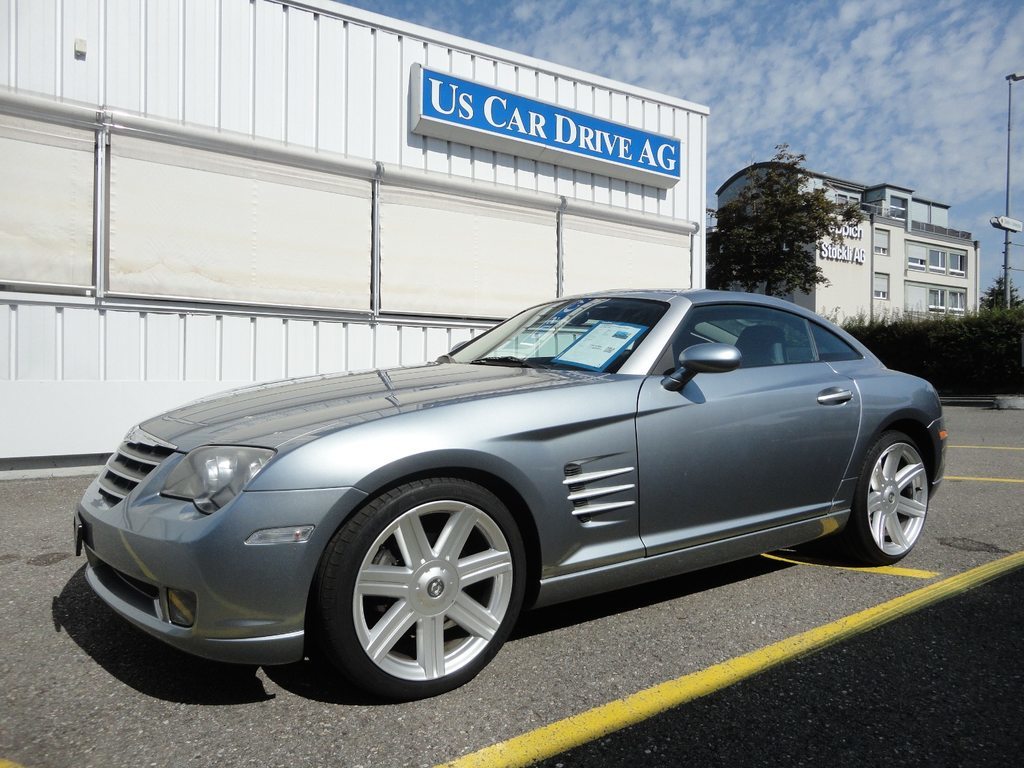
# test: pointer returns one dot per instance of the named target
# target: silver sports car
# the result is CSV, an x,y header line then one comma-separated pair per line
x,y
397,521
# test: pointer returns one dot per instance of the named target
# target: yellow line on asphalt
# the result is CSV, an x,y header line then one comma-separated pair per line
x,y
989,447
887,570
8,764
985,479
553,739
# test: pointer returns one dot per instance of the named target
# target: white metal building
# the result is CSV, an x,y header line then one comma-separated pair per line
x,y
198,195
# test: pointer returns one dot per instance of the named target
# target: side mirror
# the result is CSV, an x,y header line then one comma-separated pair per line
x,y
702,358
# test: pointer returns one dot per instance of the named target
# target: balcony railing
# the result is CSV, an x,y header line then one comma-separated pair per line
x,y
900,214
884,209
935,229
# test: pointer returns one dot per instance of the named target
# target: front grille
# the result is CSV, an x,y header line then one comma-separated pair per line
x,y
137,456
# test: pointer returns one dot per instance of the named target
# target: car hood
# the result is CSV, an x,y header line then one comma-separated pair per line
x,y
272,415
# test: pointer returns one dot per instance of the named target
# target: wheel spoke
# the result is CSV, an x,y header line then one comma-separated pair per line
x,y
878,528
384,581
892,525
430,646
412,541
891,465
876,500
389,630
455,533
473,617
909,474
911,507
485,565
877,479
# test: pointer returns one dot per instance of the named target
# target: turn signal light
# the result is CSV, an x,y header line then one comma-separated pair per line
x,y
293,535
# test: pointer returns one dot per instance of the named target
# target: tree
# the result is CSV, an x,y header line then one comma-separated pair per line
x,y
766,236
994,296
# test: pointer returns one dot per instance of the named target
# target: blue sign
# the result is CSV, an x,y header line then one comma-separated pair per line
x,y
448,107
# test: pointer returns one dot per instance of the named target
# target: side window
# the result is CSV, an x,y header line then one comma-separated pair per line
x,y
831,348
763,335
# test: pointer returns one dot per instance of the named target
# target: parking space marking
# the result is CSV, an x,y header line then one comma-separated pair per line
x,y
8,764
560,736
887,570
985,479
990,447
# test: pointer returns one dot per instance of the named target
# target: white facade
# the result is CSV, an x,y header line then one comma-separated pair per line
x,y
201,195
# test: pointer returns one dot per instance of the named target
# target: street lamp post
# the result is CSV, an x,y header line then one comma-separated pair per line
x,y
1010,80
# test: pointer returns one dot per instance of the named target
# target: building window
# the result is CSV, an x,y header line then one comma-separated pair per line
x,y
939,300
881,286
936,260
898,207
845,199
958,263
881,242
916,257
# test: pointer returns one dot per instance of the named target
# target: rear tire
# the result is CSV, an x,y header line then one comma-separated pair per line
x,y
890,503
420,588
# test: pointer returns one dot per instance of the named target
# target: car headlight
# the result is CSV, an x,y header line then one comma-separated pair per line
x,y
213,475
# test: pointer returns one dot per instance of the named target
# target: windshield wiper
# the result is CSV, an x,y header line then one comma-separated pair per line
x,y
508,360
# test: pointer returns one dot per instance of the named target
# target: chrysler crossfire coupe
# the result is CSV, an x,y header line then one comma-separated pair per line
x,y
395,522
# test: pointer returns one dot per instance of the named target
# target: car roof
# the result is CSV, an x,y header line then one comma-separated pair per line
x,y
704,296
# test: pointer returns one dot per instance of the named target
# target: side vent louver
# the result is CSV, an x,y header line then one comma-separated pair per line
x,y
585,492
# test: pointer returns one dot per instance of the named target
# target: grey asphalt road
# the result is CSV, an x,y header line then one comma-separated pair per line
x,y
81,688
940,688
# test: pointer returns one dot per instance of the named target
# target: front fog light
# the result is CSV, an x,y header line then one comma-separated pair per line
x,y
294,535
181,607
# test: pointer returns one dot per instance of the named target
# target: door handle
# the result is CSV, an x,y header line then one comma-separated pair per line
x,y
834,396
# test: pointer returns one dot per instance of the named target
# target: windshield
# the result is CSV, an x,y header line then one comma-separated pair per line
x,y
592,334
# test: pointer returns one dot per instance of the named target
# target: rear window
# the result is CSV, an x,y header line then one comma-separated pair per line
x,y
831,348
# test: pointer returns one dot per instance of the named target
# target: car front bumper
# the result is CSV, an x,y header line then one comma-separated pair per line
x,y
249,601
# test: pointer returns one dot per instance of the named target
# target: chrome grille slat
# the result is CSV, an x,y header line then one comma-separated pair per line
x,y
134,459
131,451
127,473
111,489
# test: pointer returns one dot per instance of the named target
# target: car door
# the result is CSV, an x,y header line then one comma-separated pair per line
x,y
738,452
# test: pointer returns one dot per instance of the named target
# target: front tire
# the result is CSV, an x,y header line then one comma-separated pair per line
x,y
420,588
890,504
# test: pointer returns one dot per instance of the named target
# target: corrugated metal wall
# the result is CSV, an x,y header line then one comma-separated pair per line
x,y
77,371
299,75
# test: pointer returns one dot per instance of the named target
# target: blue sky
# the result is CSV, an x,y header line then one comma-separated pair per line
x,y
910,92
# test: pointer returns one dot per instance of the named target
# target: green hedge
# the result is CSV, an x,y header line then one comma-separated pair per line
x,y
976,354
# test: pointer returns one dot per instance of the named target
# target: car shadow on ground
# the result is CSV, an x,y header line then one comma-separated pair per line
x,y
158,670
144,663
607,604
